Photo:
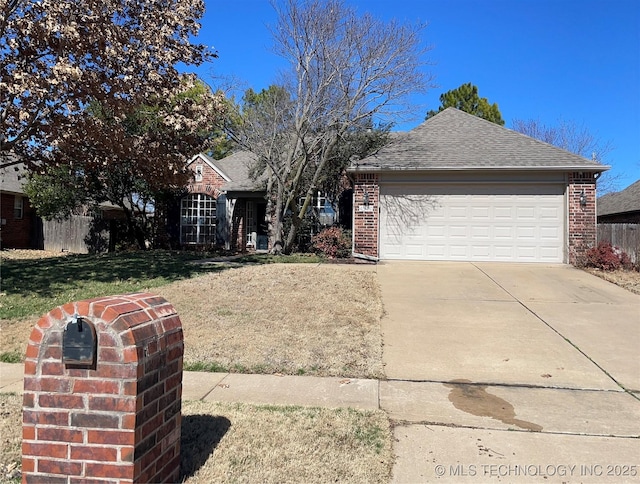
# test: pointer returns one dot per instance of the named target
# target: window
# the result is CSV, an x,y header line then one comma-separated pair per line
x,y
199,169
18,207
322,208
198,219
251,225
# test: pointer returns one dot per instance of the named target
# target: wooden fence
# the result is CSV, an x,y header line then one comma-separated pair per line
x,y
625,236
78,234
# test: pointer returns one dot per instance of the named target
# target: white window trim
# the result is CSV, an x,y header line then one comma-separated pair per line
x,y
196,213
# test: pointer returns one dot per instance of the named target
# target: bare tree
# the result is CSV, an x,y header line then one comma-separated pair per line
x,y
345,72
575,138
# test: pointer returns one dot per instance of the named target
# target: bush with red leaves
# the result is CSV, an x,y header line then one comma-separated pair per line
x,y
332,242
607,257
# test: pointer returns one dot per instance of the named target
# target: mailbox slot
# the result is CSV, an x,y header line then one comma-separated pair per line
x,y
79,343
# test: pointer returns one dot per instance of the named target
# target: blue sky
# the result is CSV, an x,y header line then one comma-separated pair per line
x,y
551,60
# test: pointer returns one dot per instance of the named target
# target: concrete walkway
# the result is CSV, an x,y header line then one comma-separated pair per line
x,y
259,389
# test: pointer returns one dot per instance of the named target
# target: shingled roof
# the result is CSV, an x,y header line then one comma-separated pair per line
x,y
627,200
12,178
235,168
455,140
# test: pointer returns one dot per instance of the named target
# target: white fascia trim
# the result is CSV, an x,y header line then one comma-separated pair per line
x,y
206,160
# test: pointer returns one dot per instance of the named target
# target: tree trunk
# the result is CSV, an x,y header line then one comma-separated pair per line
x,y
276,221
135,229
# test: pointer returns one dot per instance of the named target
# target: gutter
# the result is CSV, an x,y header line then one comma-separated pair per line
x,y
370,169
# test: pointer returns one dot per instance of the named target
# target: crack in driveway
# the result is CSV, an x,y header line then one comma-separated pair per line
x,y
558,333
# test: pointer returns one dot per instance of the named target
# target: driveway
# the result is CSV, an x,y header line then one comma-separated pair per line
x,y
494,364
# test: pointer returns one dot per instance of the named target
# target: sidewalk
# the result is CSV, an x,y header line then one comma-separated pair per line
x,y
260,389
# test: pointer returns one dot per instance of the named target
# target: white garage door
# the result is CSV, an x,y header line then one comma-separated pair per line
x,y
521,223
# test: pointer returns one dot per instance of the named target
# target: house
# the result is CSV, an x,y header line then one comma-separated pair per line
x,y
458,187
620,207
223,205
20,226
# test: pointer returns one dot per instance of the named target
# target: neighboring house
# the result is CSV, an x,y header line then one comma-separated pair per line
x,y
620,207
20,227
458,187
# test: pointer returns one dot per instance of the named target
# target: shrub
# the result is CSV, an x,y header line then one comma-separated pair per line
x,y
332,242
607,257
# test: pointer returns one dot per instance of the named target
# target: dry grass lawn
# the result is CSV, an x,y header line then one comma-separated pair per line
x,y
312,319
284,444
249,443
283,318
10,436
630,280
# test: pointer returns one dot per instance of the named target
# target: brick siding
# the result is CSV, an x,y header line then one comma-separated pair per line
x,y
118,421
582,219
17,233
366,220
211,183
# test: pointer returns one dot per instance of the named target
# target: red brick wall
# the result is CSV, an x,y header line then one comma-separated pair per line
x,y
119,422
582,219
16,233
365,221
211,180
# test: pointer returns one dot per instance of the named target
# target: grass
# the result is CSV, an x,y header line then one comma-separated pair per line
x,y
11,357
627,279
256,316
271,443
34,286
280,318
11,436
226,442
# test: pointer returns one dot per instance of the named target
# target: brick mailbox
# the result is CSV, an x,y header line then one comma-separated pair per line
x,y
102,393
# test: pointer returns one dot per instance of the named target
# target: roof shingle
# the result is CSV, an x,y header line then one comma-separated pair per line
x,y
627,200
455,140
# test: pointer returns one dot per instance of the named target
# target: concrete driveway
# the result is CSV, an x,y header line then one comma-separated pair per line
x,y
510,364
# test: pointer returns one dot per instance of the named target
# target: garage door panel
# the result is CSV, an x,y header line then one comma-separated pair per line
x,y
479,232
473,222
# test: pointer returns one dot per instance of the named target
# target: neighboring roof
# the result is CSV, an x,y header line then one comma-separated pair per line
x,y
627,200
236,168
12,178
455,140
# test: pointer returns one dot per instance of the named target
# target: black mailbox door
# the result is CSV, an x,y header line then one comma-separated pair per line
x,y
79,343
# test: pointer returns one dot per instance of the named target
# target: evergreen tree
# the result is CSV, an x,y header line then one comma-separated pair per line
x,y
466,98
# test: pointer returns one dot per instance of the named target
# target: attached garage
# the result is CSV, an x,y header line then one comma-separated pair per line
x,y
458,187
472,222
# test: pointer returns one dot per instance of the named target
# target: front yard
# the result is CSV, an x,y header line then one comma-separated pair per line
x,y
311,319
247,316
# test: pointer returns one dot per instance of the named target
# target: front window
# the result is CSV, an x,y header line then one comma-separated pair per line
x,y
198,219
321,206
18,207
